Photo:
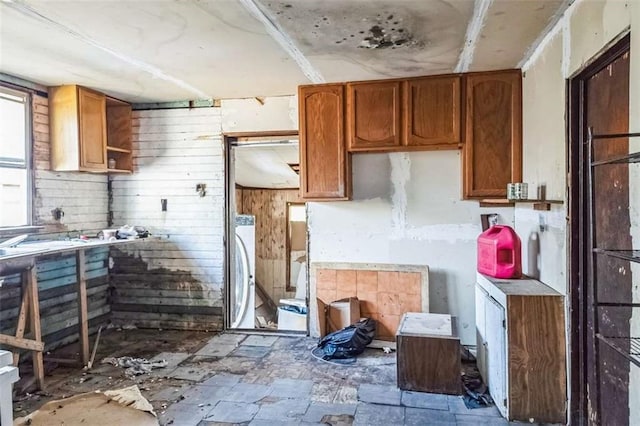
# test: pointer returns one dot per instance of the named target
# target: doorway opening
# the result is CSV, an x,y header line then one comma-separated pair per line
x,y
266,252
604,257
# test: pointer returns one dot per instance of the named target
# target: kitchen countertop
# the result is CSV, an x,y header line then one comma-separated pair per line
x,y
44,247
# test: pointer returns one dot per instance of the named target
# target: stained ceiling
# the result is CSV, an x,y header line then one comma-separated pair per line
x,y
170,50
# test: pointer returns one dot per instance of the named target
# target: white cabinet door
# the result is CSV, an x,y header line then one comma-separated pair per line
x,y
481,332
496,362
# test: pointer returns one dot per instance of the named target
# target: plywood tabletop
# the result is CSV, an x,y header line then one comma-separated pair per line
x,y
520,287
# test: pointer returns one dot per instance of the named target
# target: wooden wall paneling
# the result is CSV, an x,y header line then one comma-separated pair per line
x,y
41,141
536,358
373,115
432,115
325,166
173,151
492,154
269,207
239,200
82,196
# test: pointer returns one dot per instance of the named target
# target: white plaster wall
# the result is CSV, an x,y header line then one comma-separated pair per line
x,y
544,163
586,29
406,208
260,114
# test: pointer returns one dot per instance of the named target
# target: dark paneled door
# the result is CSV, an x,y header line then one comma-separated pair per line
x,y
600,218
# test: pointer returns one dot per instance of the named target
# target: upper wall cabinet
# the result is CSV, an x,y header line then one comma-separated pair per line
x,y
373,115
492,155
119,123
78,129
85,127
325,167
432,117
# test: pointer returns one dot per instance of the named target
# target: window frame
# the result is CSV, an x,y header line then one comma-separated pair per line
x,y
10,163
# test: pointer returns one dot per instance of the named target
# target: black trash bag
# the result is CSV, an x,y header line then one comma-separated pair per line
x,y
350,341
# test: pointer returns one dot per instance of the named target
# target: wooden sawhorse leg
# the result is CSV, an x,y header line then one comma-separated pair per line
x,y
83,316
30,306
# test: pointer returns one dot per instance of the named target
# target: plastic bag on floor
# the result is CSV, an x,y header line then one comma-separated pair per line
x,y
476,392
350,341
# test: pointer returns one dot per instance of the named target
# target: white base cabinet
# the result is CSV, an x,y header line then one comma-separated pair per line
x,y
520,333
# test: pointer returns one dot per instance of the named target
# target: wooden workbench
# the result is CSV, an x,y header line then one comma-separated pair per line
x,y
30,304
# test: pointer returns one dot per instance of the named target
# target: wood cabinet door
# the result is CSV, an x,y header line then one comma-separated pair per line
x,y
374,115
481,331
93,133
432,115
492,153
325,172
496,350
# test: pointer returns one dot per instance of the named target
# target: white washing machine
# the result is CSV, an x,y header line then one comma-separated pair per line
x,y
243,290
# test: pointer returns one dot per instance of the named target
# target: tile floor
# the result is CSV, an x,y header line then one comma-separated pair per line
x,y
239,379
269,380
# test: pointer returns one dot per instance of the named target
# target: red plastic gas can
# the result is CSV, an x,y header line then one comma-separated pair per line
x,y
499,252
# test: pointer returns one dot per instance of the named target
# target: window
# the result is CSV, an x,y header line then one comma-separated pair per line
x,y
15,178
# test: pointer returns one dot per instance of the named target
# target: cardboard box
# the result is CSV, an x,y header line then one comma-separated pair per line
x,y
337,314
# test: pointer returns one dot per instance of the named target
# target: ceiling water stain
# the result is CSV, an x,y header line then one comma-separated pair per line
x,y
380,38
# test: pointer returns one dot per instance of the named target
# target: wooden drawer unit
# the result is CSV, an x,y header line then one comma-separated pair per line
x,y
428,353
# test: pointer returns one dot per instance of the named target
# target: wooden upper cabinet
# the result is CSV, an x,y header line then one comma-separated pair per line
x,y
87,129
432,112
119,130
492,153
325,172
93,130
374,111
78,129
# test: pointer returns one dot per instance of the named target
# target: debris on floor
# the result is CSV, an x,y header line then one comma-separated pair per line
x,y
382,344
476,393
135,366
233,378
118,407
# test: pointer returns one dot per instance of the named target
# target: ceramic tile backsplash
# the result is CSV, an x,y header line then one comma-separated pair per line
x,y
384,295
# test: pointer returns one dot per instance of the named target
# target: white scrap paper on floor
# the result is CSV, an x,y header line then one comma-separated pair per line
x,y
124,406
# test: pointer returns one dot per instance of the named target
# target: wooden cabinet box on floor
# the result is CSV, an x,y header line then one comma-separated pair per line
x,y
325,165
87,129
428,353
